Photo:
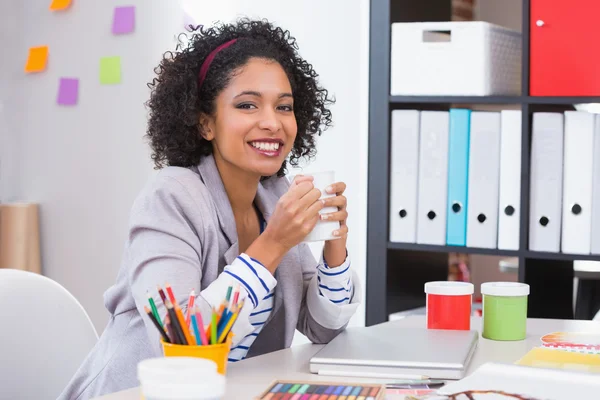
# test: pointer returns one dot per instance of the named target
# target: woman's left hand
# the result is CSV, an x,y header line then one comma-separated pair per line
x,y
334,251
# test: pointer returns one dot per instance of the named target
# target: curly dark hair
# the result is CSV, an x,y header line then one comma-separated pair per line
x,y
175,103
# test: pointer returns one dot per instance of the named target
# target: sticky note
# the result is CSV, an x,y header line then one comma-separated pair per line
x,y
58,5
123,20
68,90
37,59
110,70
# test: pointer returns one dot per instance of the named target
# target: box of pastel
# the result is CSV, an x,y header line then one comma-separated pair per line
x,y
471,58
286,389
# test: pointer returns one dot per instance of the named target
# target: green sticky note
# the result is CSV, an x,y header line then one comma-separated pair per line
x,y
110,70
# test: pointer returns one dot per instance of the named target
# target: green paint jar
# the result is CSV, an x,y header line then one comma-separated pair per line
x,y
504,310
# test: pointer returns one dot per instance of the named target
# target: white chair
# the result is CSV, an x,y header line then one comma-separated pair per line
x,y
45,334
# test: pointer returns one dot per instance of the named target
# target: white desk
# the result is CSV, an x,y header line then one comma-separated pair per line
x,y
249,378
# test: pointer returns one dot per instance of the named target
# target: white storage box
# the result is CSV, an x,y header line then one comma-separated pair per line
x,y
471,58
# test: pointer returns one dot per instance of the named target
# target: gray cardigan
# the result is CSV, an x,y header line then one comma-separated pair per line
x,y
182,231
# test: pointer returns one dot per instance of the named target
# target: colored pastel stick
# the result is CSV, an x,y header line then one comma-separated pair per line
x,y
196,330
303,388
276,388
153,307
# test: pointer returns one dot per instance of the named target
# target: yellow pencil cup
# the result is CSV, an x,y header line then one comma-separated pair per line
x,y
216,352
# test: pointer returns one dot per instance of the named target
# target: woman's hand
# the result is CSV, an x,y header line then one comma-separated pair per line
x,y
295,215
334,251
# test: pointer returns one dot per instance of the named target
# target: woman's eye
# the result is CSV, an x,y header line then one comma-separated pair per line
x,y
286,108
246,106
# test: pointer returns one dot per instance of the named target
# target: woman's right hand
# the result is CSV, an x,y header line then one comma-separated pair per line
x,y
295,215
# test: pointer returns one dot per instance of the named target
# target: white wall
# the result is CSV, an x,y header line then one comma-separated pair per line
x,y
86,164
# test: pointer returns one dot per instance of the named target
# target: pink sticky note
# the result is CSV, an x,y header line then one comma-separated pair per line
x,y
123,20
68,89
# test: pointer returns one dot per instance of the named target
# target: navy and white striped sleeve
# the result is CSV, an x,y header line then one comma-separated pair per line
x,y
256,283
333,294
335,284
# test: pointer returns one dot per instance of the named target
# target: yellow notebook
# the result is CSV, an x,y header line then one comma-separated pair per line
x,y
542,357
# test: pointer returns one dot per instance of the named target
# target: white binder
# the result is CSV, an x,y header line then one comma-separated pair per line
x,y
546,182
404,175
595,245
433,177
509,202
484,175
577,182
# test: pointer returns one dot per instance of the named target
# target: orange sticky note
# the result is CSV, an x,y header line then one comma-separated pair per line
x,y
38,57
57,5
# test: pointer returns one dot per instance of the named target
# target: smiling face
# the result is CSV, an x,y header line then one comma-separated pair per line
x,y
254,127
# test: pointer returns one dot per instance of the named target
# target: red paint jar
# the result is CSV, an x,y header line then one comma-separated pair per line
x,y
449,305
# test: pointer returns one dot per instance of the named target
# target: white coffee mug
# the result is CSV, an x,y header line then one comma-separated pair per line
x,y
323,230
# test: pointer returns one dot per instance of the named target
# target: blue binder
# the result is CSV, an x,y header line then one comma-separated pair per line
x,y
458,177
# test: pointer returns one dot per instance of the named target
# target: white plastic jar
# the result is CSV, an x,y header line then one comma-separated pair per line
x,y
180,378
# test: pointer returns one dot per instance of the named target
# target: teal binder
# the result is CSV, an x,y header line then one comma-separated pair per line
x,y
458,177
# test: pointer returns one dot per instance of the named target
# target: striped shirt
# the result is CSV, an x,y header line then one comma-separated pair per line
x,y
335,284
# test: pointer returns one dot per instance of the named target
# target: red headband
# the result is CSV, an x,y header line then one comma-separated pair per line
x,y
206,64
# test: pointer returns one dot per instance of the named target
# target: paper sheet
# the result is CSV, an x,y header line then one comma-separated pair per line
x,y
123,20
110,70
37,59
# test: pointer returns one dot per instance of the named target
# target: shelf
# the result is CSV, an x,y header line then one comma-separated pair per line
x,y
561,100
542,255
556,100
452,249
457,99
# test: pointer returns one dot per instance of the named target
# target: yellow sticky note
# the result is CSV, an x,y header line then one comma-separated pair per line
x,y
57,5
110,70
38,57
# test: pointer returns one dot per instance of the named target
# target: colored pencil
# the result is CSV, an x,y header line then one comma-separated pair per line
x,y
196,330
236,296
219,314
213,332
153,307
162,295
229,289
190,305
170,293
157,324
170,331
185,328
230,323
201,326
177,328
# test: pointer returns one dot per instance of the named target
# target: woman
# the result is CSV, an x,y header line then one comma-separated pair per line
x,y
226,112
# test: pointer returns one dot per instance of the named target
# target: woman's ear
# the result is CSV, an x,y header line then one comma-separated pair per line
x,y
206,127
